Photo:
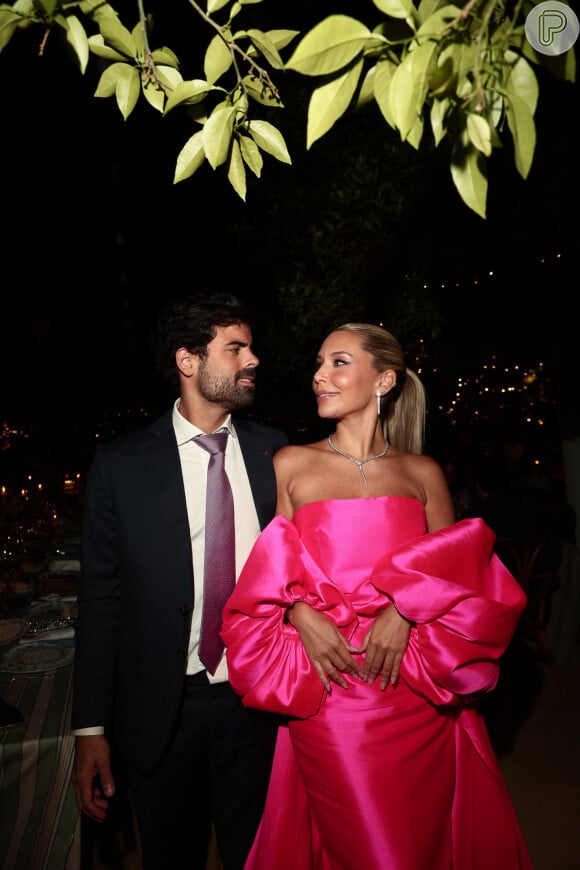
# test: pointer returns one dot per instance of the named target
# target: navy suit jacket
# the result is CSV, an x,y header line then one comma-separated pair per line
x,y
136,589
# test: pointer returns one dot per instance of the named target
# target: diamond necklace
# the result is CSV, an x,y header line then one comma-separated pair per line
x,y
359,462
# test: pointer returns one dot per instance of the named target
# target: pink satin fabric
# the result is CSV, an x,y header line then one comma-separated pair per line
x,y
404,779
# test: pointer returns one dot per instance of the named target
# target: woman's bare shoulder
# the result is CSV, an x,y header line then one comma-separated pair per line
x,y
296,453
420,471
429,479
421,463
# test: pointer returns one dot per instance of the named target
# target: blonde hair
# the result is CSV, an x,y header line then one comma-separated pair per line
x,y
404,408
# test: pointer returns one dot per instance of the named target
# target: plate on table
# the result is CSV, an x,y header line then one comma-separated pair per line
x,y
64,566
12,630
36,657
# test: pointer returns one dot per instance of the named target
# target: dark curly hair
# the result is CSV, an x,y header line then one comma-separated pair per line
x,y
191,322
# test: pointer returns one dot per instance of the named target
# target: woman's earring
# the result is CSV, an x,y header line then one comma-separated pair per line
x,y
379,397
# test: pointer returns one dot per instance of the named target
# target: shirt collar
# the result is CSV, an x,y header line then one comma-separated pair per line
x,y
185,431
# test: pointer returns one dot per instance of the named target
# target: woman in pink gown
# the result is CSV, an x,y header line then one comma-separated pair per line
x,y
372,621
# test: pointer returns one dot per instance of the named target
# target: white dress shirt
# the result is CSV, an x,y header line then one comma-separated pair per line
x,y
194,463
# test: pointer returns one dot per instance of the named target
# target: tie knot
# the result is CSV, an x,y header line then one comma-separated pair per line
x,y
214,443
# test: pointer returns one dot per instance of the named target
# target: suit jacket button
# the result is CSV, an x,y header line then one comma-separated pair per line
x,y
182,653
185,610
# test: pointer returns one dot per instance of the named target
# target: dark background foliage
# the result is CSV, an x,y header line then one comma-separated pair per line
x,y
95,238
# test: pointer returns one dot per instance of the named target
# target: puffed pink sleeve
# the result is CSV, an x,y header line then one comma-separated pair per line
x,y
267,663
464,603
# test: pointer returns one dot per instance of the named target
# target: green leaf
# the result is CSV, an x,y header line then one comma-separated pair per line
x,y
251,154
216,5
24,7
521,123
266,47
241,101
415,134
443,77
329,46
189,158
96,9
395,8
269,139
281,38
97,46
108,82
190,92
403,97
426,8
261,94
9,24
468,58
128,89
154,94
467,171
521,81
494,112
329,102
77,38
169,77
409,87
438,21
139,39
385,71
438,116
367,89
117,36
479,133
423,61
217,134
166,56
48,5
218,59
237,171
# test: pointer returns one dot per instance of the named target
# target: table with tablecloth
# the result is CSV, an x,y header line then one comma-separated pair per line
x,y
40,826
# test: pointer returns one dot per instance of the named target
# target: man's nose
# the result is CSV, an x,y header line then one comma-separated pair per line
x,y
252,361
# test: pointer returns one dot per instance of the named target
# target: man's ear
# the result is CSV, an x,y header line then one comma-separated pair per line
x,y
186,361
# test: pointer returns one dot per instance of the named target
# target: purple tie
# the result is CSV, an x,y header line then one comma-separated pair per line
x,y
220,555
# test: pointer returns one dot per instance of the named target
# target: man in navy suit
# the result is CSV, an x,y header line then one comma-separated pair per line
x,y
193,754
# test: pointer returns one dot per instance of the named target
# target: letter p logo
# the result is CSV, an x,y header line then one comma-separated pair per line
x,y
551,23
552,27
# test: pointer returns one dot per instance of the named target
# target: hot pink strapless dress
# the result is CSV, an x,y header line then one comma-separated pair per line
x,y
404,779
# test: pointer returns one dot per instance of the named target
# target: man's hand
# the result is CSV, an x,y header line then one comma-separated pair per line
x,y
92,778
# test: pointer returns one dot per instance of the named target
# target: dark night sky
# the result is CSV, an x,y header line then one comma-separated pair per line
x,y
95,235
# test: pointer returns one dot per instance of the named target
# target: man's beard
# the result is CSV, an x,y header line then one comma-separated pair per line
x,y
223,390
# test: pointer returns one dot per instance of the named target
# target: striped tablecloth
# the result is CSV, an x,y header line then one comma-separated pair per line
x,y
39,820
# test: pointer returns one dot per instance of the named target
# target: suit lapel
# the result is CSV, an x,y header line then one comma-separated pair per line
x,y
257,454
161,458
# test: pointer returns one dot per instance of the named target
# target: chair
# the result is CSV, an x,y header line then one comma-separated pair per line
x,y
535,562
